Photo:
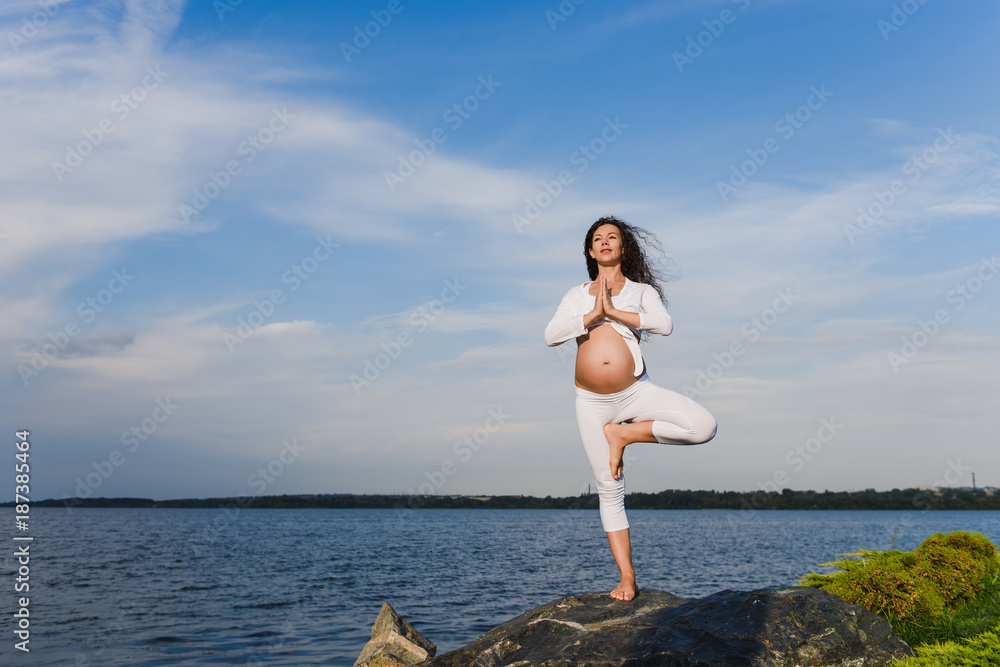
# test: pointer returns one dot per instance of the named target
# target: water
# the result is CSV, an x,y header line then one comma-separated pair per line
x,y
300,587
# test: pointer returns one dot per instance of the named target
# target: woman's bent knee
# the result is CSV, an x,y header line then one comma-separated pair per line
x,y
708,433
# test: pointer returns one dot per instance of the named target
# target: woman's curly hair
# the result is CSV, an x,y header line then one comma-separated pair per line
x,y
636,246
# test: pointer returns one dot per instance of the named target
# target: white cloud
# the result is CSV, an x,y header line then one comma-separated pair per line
x,y
326,171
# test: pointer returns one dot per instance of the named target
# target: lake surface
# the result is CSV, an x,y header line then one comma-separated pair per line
x,y
300,587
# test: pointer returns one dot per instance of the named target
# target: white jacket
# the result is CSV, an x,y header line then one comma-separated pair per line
x,y
634,298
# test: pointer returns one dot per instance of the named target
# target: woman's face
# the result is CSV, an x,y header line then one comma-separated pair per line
x,y
606,246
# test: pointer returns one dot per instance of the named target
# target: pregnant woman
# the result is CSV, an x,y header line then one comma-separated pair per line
x,y
616,403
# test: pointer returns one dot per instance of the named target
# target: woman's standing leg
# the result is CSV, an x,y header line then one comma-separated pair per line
x,y
621,549
593,411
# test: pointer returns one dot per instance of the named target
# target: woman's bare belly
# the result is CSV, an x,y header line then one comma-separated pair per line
x,y
604,364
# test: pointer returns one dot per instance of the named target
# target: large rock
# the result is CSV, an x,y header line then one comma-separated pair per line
x,y
394,643
769,627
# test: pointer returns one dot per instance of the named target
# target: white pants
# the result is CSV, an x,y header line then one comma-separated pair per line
x,y
677,420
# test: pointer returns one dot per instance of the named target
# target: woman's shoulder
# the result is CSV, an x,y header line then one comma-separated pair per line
x,y
642,290
636,286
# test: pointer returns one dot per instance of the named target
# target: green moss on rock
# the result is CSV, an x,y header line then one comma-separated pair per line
x,y
920,592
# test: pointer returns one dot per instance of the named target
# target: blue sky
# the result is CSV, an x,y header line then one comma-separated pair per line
x,y
217,216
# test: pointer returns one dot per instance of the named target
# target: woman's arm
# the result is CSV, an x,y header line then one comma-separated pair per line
x,y
565,324
652,315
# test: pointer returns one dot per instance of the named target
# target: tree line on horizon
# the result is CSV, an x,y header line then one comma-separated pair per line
x,y
788,499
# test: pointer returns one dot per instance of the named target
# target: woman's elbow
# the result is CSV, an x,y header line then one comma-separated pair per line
x,y
551,339
666,324
661,325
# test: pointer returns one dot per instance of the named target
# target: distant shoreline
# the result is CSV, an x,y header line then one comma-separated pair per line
x,y
897,499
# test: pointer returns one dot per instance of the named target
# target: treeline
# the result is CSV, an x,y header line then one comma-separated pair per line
x,y
337,501
870,499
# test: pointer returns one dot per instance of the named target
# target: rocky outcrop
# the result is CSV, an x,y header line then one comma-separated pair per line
x,y
781,627
394,643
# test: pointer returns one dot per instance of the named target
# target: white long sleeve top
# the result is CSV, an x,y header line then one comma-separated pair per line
x,y
638,298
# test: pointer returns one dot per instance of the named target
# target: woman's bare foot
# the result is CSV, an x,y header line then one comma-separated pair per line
x,y
621,549
626,590
617,441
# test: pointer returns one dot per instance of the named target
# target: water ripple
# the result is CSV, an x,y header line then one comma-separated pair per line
x,y
301,587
